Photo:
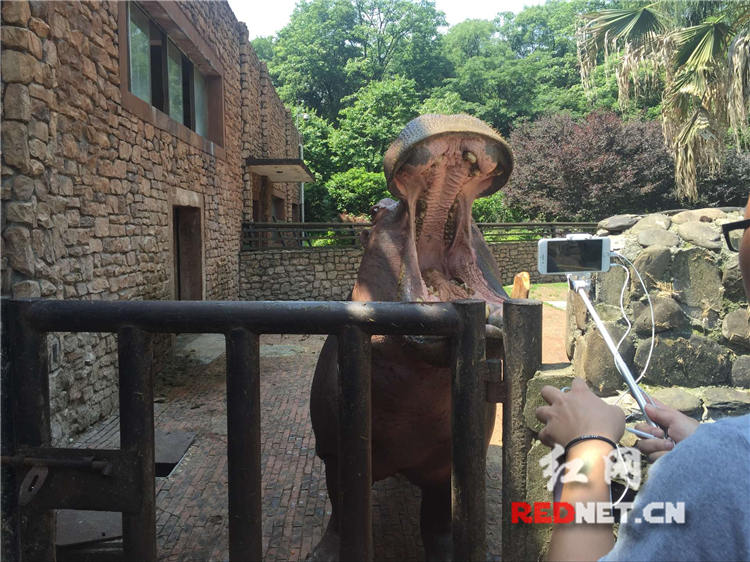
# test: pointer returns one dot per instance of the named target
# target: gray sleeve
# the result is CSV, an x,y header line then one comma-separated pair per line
x,y
710,473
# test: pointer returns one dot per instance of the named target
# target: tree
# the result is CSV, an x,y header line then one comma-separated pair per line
x,y
589,170
311,54
702,51
357,190
373,118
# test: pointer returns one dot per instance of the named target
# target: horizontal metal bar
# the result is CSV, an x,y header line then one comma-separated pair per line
x,y
68,487
288,317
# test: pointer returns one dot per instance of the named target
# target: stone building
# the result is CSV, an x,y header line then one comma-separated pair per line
x,y
136,137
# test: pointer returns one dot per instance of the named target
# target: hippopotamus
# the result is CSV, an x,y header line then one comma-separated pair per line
x,y
423,247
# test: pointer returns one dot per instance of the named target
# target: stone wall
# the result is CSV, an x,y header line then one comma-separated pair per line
x,y
329,274
701,355
89,183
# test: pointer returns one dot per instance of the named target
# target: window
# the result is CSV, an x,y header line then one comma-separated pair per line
x,y
163,76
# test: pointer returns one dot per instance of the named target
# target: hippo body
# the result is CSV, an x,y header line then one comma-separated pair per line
x,y
423,247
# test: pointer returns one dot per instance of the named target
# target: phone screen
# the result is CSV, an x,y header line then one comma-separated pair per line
x,y
574,255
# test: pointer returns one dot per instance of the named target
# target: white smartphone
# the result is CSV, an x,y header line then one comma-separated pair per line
x,y
573,255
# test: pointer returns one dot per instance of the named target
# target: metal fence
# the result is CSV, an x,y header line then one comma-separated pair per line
x,y
292,235
38,478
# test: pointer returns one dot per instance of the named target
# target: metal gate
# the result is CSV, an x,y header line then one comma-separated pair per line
x,y
38,478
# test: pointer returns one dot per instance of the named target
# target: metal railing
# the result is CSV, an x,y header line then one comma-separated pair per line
x,y
291,235
40,478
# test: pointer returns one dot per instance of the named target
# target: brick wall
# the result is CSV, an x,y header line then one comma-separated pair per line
x,y
88,182
327,274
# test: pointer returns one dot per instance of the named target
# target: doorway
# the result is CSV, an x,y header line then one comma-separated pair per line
x,y
188,253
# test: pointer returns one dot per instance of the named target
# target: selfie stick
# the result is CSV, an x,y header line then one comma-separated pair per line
x,y
581,284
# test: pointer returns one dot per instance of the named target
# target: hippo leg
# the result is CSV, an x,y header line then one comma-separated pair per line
x,y
327,550
435,522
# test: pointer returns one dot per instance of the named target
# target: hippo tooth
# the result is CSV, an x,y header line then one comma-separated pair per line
x,y
470,156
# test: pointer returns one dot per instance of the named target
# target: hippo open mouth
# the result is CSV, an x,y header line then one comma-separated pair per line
x,y
425,247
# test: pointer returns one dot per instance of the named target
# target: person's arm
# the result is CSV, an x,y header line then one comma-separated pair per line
x,y
570,415
678,425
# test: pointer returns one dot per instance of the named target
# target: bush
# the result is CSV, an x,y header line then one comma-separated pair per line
x,y
589,170
494,209
729,187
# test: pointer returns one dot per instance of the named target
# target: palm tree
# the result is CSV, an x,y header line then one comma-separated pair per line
x,y
701,52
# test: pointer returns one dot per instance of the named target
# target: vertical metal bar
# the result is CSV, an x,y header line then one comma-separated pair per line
x,y
29,372
137,437
243,446
355,453
468,453
522,323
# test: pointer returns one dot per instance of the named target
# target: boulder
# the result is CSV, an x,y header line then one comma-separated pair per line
x,y
722,402
697,280
618,223
609,286
595,363
731,280
657,237
654,264
649,222
741,371
690,362
701,234
698,215
736,327
679,399
668,315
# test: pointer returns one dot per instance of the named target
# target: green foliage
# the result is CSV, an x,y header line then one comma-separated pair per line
x,y
263,47
356,190
371,121
319,207
494,209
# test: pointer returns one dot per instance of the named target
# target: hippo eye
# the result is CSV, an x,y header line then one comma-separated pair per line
x,y
374,210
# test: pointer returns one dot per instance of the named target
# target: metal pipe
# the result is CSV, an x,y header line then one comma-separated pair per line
x,y
297,317
243,446
468,430
137,438
355,453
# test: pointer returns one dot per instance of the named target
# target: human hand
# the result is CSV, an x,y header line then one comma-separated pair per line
x,y
678,425
576,413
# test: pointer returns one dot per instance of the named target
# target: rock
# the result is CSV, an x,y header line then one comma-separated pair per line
x,y
653,263
556,378
697,280
595,363
692,362
722,402
19,67
15,143
26,290
23,212
736,327
18,249
679,399
17,103
609,286
731,280
23,187
16,12
657,237
701,234
649,222
668,315
618,223
741,371
698,215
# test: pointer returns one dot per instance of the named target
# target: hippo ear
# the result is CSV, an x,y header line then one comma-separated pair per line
x,y
364,236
